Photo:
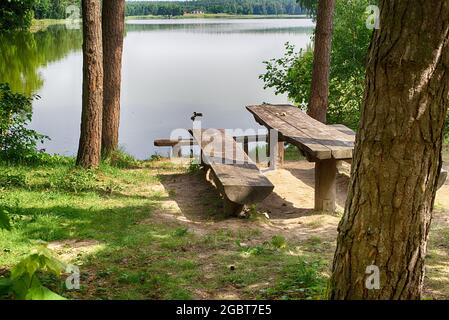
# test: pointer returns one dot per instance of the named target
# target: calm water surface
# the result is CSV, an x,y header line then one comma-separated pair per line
x,y
170,69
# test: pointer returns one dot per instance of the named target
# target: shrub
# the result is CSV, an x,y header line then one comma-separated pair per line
x,y
16,14
292,74
17,142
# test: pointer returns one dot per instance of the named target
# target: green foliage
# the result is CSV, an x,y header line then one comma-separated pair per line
x,y
194,167
24,283
240,7
15,14
292,73
121,159
17,142
309,5
53,9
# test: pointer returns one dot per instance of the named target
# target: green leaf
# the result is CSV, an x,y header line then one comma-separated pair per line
x,y
42,293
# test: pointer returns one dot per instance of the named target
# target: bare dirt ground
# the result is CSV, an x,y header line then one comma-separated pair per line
x,y
288,211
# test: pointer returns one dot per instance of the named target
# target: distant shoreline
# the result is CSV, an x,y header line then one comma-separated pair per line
x,y
42,24
217,16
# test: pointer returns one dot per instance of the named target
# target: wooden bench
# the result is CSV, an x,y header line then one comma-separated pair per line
x,y
228,166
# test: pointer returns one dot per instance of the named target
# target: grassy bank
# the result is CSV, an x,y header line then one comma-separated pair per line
x,y
118,226
39,25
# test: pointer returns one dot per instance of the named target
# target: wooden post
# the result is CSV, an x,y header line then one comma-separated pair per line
x,y
246,144
273,147
281,153
325,185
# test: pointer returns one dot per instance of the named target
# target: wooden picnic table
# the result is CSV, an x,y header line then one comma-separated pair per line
x,y
320,143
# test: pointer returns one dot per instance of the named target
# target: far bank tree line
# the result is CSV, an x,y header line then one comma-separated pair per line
x,y
56,9
235,7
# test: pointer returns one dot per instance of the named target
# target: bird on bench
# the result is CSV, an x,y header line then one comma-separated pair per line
x,y
196,115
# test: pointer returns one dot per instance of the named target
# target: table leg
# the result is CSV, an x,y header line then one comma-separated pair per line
x,y
325,185
281,153
273,149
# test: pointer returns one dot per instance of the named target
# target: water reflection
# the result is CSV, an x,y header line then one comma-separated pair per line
x,y
23,54
221,26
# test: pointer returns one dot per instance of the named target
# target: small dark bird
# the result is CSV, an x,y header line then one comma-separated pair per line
x,y
196,115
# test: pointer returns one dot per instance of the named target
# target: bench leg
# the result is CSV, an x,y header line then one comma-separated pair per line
x,y
232,208
325,185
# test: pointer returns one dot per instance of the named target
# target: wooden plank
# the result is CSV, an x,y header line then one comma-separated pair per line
x,y
172,143
344,129
289,133
338,142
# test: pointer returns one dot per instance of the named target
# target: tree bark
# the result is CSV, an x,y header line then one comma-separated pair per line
x,y
113,22
319,97
90,140
397,157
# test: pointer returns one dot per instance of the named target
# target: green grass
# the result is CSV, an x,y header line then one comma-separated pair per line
x,y
135,253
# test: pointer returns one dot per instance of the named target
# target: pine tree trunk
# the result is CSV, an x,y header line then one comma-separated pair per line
x,y
319,97
113,21
90,140
397,157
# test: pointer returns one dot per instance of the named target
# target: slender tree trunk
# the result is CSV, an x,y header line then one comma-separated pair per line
x,y
113,32
90,140
397,158
319,97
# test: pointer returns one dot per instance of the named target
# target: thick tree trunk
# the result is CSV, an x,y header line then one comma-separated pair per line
x,y
319,97
397,158
90,140
113,31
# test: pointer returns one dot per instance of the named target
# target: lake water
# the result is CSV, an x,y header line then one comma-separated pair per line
x,y
170,69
